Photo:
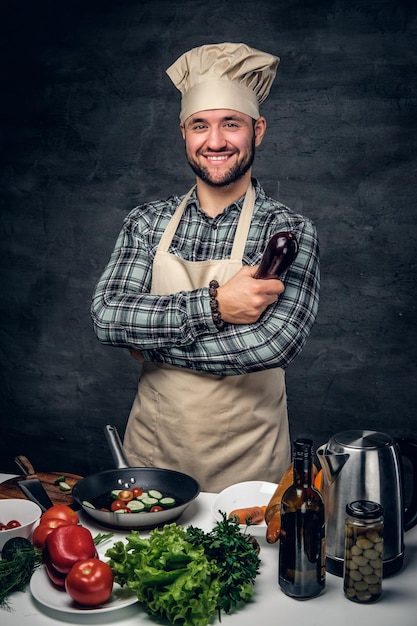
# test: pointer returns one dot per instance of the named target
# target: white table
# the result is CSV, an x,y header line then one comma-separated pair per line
x,y
270,607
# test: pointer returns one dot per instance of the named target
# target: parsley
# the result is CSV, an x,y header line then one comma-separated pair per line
x,y
236,559
186,575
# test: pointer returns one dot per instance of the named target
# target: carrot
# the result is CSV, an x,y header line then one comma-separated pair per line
x,y
273,510
248,515
274,504
274,528
318,481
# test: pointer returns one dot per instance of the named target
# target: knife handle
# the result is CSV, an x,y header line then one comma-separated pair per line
x,y
25,465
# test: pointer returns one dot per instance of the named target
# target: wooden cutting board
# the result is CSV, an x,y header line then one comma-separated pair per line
x,y
10,488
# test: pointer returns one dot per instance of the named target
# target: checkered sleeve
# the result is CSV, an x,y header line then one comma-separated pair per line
x,y
178,329
275,339
126,315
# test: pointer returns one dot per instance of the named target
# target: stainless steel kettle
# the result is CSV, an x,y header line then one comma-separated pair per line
x,y
368,465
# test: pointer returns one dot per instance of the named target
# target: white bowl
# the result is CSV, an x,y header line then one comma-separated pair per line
x,y
24,511
241,495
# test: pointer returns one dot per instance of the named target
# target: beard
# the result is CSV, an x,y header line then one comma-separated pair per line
x,y
232,175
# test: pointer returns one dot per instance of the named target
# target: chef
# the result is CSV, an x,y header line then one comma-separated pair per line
x,y
179,290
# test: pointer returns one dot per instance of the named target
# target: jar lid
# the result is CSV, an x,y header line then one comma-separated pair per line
x,y
363,509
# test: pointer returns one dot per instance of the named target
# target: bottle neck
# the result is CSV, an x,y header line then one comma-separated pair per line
x,y
302,472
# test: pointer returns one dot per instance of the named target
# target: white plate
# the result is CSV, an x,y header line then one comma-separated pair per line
x,y
44,592
241,495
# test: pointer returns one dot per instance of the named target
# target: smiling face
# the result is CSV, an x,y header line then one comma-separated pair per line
x,y
220,144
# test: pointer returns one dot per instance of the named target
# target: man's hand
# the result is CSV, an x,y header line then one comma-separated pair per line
x,y
243,299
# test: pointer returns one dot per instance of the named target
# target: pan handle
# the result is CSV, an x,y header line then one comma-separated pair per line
x,y
116,447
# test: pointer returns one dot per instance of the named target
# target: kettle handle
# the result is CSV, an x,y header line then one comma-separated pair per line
x,y
408,449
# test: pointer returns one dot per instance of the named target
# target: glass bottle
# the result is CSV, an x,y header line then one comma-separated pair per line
x,y
364,547
302,571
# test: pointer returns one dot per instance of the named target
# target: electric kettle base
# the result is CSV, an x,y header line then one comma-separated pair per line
x,y
390,567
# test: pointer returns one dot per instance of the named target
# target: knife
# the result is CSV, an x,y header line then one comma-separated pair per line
x,y
32,487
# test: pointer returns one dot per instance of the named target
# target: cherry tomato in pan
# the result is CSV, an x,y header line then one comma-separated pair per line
x,y
90,582
156,508
125,495
117,505
137,491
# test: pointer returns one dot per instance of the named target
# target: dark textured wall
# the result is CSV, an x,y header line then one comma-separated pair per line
x,y
89,130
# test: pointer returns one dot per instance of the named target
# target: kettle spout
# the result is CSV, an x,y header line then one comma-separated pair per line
x,y
331,463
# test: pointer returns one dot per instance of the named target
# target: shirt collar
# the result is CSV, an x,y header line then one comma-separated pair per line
x,y
193,200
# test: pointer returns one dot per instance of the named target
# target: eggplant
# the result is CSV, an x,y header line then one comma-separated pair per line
x,y
280,252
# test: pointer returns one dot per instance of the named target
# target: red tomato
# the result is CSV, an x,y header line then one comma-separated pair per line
x,y
137,491
61,511
117,504
13,524
156,508
90,582
42,531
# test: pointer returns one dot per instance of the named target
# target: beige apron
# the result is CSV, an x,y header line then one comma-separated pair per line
x,y
219,429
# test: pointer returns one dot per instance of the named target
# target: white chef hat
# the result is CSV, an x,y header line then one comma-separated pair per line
x,y
223,76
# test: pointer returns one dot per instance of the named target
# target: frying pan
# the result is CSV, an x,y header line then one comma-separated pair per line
x,y
182,487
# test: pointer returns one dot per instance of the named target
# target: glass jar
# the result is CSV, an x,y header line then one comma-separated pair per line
x,y
364,547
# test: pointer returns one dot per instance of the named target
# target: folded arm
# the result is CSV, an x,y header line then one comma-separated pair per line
x,y
265,328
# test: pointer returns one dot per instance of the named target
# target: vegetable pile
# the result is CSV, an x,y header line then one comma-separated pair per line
x,y
186,575
183,575
134,500
68,551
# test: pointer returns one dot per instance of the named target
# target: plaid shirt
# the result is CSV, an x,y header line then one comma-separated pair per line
x,y
178,329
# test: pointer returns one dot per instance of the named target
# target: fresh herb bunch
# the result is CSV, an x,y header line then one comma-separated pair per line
x,y
236,558
187,575
19,560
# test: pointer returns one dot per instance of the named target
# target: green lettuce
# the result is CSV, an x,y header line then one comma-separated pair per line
x,y
172,578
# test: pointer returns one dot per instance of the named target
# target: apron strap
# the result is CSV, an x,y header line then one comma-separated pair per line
x,y
242,229
170,230
243,226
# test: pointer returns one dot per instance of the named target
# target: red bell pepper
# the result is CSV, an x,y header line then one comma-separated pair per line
x,y
56,577
66,545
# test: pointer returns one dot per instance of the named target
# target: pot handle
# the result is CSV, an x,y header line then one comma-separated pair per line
x,y
408,449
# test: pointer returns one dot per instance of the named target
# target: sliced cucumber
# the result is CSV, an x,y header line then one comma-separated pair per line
x,y
64,486
148,502
88,504
136,506
153,493
115,493
167,502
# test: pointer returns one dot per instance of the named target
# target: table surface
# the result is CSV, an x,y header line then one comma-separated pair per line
x,y
270,606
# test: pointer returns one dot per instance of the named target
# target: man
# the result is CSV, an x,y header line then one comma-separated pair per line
x,y
179,290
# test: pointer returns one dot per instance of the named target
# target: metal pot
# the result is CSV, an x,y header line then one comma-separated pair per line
x,y
182,487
